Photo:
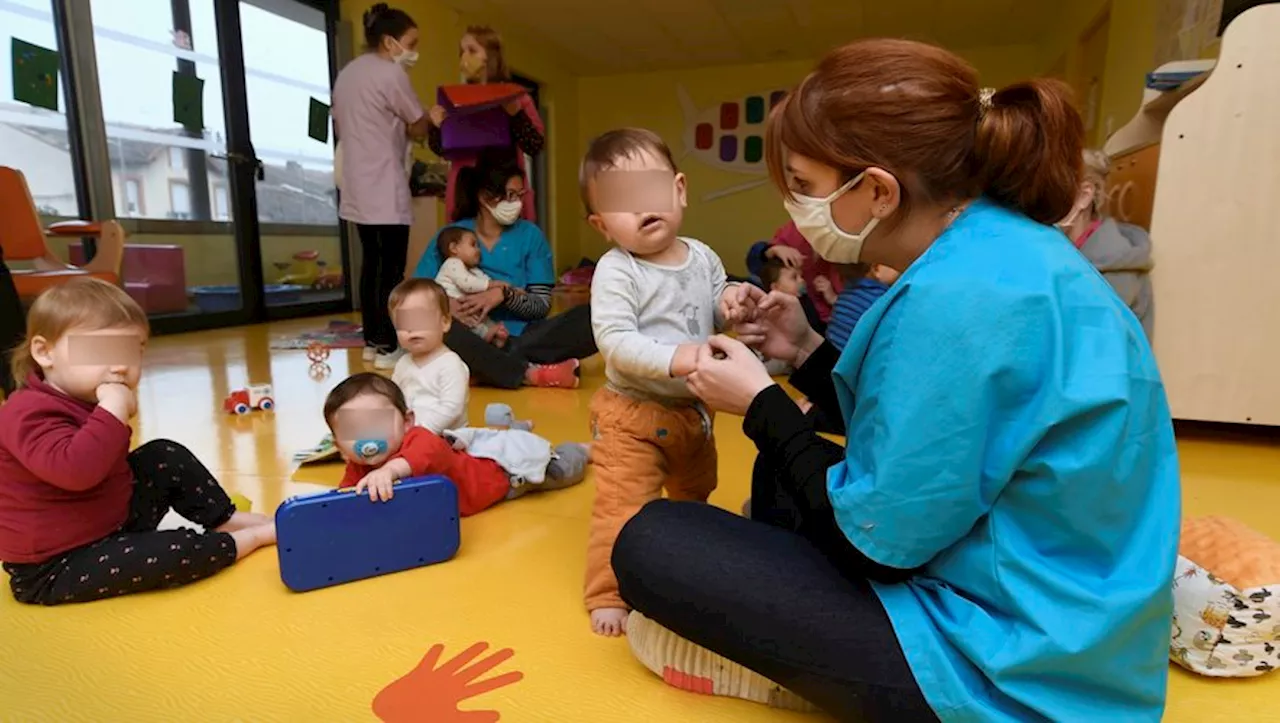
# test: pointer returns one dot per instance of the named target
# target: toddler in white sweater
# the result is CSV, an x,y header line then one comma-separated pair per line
x,y
460,275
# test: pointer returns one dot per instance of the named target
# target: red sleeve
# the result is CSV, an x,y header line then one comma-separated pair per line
x,y
425,451
61,450
352,476
789,235
531,110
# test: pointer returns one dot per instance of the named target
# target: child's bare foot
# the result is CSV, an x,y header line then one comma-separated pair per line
x,y
251,538
610,622
500,336
805,405
243,521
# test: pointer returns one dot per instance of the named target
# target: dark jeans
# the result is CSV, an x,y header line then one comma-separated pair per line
x,y
383,249
546,341
774,594
137,558
13,324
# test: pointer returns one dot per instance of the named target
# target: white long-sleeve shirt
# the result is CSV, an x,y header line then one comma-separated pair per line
x,y
436,391
640,313
458,280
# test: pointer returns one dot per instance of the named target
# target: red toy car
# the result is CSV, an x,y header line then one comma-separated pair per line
x,y
256,396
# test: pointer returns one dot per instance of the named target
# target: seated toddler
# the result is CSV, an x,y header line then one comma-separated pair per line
x,y
78,510
460,275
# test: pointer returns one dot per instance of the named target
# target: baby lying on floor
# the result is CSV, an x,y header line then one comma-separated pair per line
x,y
375,433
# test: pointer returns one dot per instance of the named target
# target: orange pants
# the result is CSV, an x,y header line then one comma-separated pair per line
x,y
639,448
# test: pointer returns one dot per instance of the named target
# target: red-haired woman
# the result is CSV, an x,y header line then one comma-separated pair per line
x,y
996,539
481,60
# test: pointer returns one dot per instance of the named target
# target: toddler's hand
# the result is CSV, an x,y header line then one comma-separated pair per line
x,y
738,303
379,483
822,285
117,399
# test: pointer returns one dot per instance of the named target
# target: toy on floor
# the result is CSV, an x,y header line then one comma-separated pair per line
x,y
500,416
337,537
1226,591
318,371
255,396
317,352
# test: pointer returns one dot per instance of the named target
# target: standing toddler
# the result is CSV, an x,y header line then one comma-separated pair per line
x,y
654,302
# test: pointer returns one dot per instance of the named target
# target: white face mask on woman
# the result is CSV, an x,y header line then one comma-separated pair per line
x,y
506,212
405,58
813,220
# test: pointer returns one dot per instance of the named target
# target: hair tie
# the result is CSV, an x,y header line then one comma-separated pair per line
x,y
985,97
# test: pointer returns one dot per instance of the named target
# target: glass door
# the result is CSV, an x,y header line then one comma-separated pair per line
x,y
159,67
287,80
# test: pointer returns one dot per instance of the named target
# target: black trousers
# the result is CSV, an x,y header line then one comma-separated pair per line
x,y
13,325
772,594
546,341
383,249
138,558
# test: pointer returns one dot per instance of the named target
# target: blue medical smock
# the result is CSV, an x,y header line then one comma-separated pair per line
x,y
1012,437
521,257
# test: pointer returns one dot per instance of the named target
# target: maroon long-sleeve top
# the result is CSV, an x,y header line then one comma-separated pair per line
x,y
65,479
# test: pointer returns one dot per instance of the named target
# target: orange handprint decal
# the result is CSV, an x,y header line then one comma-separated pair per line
x,y
428,694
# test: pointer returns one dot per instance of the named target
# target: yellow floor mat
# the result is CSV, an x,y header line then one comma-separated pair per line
x,y
241,647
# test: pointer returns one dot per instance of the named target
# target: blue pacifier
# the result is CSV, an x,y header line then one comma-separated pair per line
x,y
370,448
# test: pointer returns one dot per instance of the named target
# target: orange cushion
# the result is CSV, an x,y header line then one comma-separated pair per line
x,y
31,284
1232,551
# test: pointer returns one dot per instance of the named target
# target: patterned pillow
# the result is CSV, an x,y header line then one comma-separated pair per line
x,y
1226,620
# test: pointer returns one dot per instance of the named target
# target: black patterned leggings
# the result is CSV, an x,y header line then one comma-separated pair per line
x,y
137,557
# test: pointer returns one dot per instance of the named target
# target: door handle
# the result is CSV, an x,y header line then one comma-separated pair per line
x,y
236,157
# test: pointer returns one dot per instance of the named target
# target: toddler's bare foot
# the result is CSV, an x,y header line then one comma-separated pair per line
x,y
804,404
251,538
610,622
243,521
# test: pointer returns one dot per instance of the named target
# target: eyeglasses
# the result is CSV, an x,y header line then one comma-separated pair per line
x,y
515,195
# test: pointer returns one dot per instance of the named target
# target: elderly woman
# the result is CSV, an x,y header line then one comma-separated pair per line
x,y
996,539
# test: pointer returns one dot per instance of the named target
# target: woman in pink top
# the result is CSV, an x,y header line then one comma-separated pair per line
x,y
376,113
481,60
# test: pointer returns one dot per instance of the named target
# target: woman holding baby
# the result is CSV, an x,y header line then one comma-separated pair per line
x,y
995,538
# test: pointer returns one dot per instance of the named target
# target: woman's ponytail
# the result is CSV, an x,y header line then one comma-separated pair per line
x,y
1027,153
466,197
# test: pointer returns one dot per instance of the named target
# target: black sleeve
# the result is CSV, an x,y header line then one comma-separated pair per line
x,y
813,378
435,140
783,433
811,314
527,136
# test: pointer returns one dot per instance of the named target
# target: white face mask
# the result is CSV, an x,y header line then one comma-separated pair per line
x,y
406,58
506,212
813,220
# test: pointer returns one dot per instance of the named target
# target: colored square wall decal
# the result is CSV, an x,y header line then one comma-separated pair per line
x,y
728,148
703,136
776,97
755,109
188,101
728,116
35,74
753,149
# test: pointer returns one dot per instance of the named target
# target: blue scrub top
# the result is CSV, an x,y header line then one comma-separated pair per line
x,y
1011,437
521,257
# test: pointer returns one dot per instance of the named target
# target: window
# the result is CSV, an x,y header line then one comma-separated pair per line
x,y
179,200
221,203
137,53
132,197
34,140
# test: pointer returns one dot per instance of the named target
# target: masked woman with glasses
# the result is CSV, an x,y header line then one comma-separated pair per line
x,y
543,351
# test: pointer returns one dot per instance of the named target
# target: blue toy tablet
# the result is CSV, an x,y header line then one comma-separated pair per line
x,y
335,537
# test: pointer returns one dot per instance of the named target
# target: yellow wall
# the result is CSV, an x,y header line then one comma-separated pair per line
x,y
440,28
1130,52
732,223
